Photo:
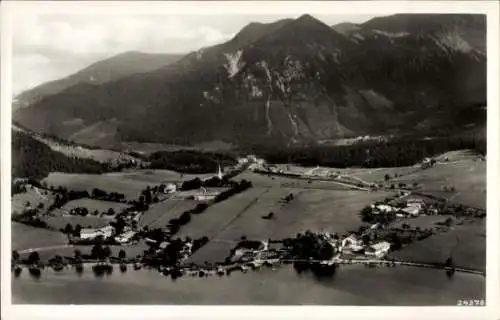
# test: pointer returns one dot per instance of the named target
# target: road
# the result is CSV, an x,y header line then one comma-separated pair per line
x,y
46,248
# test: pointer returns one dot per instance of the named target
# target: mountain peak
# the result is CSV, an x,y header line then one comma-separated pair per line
x,y
306,17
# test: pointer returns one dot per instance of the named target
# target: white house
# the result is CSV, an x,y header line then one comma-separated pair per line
x,y
106,231
412,211
378,249
88,233
384,208
170,188
125,237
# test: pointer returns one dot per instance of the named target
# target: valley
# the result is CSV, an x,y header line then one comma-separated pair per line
x,y
295,162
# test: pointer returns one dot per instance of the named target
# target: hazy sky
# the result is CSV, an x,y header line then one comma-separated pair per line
x,y
50,47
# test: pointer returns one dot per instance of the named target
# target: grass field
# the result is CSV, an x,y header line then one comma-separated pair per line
x,y
315,210
32,195
262,180
91,205
466,244
468,177
130,183
214,219
25,237
58,222
131,251
159,214
422,222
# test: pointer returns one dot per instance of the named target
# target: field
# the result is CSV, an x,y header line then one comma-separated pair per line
x,y
263,180
59,222
214,219
130,183
315,210
131,251
466,244
468,177
25,237
91,205
422,222
32,195
159,214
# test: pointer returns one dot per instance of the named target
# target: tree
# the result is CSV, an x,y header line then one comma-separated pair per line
x,y
387,177
27,204
34,257
15,256
97,252
77,230
106,252
40,205
77,254
366,239
110,212
122,254
68,229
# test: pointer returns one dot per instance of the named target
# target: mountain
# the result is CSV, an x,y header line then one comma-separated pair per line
x,y
111,69
292,81
346,28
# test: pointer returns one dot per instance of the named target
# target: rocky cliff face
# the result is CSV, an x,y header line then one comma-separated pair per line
x,y
289,82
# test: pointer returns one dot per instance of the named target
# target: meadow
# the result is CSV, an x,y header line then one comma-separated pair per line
x,y
129,183
467,177
92,205
465,244
25,237
314,210
159,214
34,197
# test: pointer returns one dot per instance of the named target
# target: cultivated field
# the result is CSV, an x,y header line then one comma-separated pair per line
x,y
315,210
466,244
216,217
25,237
34,197
159,214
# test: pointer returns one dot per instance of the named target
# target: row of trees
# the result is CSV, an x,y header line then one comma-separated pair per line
x,y
189,161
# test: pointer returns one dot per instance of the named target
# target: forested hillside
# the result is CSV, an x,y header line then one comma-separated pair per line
x,y
33,159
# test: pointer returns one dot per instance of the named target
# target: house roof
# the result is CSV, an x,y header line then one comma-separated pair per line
x,y
381,245
87,230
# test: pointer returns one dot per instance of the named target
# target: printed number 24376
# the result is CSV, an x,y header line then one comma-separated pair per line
x,y
470,303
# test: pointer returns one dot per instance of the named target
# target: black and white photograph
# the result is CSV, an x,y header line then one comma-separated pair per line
x,y
272,157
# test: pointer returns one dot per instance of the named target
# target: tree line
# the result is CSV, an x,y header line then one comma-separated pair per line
x,y
371,154
190,161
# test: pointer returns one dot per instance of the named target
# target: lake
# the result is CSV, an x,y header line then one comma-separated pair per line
x,y
351,285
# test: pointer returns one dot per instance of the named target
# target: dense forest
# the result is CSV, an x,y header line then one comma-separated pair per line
x,y
190,161
33,159
393,153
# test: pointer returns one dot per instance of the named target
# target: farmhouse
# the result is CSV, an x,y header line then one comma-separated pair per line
x,y
125,237
378,249
383,208
106,232
88,233
170,188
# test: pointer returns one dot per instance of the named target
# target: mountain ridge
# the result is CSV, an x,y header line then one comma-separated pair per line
x,y
283,82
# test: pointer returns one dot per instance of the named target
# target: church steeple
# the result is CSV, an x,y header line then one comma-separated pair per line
x,y
219,173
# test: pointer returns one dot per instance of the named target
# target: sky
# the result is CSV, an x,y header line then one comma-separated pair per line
x,y
50,47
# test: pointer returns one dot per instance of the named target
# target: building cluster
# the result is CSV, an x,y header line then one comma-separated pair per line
x,y
413,207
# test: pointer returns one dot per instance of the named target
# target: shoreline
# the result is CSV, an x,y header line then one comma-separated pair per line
x,y
251,266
